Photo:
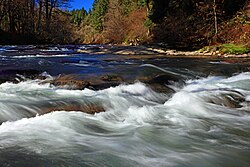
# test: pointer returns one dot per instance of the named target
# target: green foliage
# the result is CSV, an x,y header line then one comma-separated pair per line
x,y
148,23
182,22
227,48
77,16
233,49
127,6
141,3
131,5
100,8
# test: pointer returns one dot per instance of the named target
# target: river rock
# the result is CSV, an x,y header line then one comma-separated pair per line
x,y
105,81
78,83
86,108
164,79
229,100
17,75
69,82
159,82
112,78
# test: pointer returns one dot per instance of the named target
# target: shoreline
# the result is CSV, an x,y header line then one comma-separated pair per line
x,y
150,51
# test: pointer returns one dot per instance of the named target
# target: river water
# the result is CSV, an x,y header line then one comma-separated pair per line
x,y
203,122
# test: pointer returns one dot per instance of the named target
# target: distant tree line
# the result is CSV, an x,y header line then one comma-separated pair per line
x,y
174,22
34,21
190,22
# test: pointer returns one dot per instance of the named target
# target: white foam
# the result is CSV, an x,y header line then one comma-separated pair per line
x,y
239,77
137,89
39,134
125,102
55,49
248,98
185,128
40,56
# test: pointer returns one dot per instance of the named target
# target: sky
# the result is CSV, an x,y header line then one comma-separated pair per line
x,y
78,4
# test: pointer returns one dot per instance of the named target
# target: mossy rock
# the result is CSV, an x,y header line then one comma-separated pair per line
x,y
226,49
233,49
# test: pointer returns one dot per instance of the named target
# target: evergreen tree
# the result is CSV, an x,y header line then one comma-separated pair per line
x,y
100,8
78,16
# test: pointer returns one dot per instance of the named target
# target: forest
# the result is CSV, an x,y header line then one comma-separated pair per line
x,y
177,23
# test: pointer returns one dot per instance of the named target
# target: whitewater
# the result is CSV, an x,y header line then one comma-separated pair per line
x,y
204,121
194,126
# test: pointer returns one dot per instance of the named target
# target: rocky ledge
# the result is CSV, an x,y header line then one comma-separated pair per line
x,y
77,82
152,50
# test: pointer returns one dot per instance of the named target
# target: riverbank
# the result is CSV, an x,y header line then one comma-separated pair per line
x,y
146,51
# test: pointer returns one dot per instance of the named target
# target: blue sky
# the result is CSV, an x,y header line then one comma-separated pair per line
x,y
78,4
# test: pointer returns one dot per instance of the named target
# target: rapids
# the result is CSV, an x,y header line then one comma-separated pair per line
x,y
204,122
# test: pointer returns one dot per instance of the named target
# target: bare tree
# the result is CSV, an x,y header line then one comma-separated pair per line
x,y
215,19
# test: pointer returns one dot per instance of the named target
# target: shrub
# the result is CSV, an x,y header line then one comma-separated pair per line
x,y
234,49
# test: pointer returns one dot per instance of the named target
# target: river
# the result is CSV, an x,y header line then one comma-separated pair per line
x,y
204,121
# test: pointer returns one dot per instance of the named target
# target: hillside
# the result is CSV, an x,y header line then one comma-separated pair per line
x,y
183,25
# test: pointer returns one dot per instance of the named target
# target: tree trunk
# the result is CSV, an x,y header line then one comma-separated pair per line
x,y
39,16
11,18
47,14
215,19
32,16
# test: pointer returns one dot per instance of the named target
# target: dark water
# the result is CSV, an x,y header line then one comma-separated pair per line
x,y
204,122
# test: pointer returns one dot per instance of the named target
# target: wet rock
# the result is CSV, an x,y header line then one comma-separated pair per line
x,y
229,100
122,50
27,72
112,78
69,82
76,82
105,81
2,80
40,77
159,82
86,108
16,75
160,88
164,79
103,85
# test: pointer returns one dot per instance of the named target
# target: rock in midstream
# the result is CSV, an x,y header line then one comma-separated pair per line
x,y
77,83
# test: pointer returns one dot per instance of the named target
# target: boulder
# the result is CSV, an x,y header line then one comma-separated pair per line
x,y
112,78
230,100
78,83
69,82
159,82
86,108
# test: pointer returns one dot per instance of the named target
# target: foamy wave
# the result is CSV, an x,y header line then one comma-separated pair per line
x,y
38,55
55,49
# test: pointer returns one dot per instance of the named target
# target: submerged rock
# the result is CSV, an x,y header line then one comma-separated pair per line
x,y
230,100
16,75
